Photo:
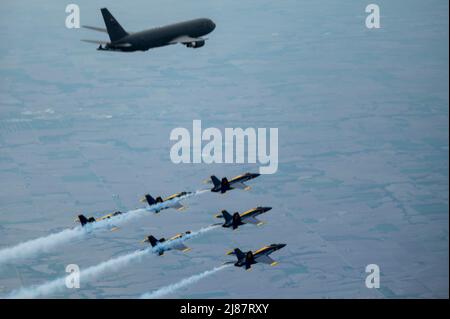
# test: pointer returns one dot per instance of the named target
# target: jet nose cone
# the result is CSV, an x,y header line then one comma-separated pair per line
x,y
266,209
281,246
212,25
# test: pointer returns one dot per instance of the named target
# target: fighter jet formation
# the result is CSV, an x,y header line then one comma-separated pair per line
x,y
188,33
232,221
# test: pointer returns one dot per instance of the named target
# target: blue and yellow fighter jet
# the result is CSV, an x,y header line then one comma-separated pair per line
x,y
162,245
224,185
250,258
159,200
247,217
83,220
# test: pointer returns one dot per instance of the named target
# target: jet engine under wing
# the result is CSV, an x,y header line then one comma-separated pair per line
x,y
265,260
186,39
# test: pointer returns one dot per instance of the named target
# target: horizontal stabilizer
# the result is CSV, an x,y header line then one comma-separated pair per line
x,y
95,41
95,28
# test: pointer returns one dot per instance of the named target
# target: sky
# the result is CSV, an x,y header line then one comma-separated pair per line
x,y
362,116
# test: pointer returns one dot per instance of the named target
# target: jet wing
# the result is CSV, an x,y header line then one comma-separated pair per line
x,y
177,206
265,260
181,247
176,236
104,217
110,215
185,39
252,220
123,45
170,197
236,178
240,186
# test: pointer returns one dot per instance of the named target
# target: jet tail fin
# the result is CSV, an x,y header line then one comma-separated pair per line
x,y
226,215
149,199
83,220
115,30
153,241
239,254
215,181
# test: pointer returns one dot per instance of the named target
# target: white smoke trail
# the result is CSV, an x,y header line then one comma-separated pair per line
x,y
168,244
86,275
42,244
92,272
132,214
46,243
182,283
